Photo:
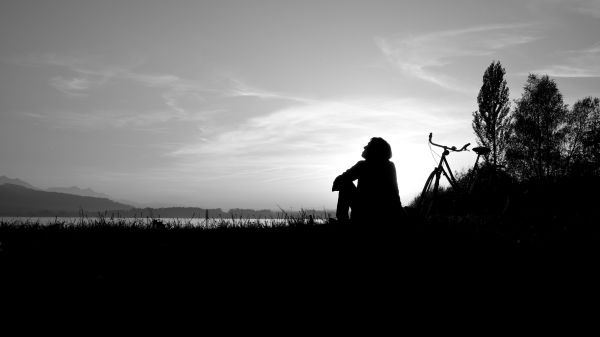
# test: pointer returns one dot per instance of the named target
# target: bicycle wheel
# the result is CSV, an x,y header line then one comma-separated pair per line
x,y
425,199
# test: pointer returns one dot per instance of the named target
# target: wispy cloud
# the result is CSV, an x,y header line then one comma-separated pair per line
x,y
76,86
100,120
238,88
250,134
584,7
297,137
426,56
304,126
304,145
183,99
588,7
576,63
89,72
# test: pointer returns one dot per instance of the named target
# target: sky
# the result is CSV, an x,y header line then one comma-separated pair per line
x,y
261,104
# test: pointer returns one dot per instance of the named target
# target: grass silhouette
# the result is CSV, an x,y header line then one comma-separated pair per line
x,y
106,248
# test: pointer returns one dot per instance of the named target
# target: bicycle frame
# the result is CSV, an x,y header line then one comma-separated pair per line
x,y
439,170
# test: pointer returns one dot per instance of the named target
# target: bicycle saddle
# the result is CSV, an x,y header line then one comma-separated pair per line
x,y
481,150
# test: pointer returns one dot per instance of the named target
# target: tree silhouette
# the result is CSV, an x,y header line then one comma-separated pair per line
x,y
583,137
491,122
538,130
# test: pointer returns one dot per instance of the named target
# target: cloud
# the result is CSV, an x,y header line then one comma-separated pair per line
x,y
231,134
238,88
303,126
299,148
100,120
427,56
583,7
305,138
588,7
576,64
217,103
76,86
89,72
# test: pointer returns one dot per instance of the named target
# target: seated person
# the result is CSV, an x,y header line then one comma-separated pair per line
x,y
375,199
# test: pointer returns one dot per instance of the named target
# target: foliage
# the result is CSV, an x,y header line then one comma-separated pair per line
x,y
539,130
491,122
583,138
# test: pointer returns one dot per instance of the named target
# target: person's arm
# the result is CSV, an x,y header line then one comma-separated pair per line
x,y
349,176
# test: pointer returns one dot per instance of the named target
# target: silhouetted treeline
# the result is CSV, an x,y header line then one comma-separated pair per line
x,y
541,136
544,158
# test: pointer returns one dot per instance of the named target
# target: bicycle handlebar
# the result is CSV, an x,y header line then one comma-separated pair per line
x,y
453,148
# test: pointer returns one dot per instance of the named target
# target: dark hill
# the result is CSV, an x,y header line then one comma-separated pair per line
x,y
20,201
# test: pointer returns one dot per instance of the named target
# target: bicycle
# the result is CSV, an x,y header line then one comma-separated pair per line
x,y
429,193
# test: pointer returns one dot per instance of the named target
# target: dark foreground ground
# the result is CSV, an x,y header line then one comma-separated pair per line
x,y
437,251
444,274
442,268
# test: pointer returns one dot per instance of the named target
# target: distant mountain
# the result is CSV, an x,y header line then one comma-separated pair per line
x,y
16,200
19,182
87,192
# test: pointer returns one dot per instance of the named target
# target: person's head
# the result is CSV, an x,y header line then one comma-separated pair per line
x,y
377,149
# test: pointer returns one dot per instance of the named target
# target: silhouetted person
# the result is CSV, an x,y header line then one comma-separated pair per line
x,y
375,198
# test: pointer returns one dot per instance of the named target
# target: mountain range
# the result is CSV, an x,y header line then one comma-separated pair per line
x,y
19,198
74,190
18,182
84,192
87,192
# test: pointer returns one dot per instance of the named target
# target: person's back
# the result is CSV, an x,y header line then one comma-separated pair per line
x,y
376,191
